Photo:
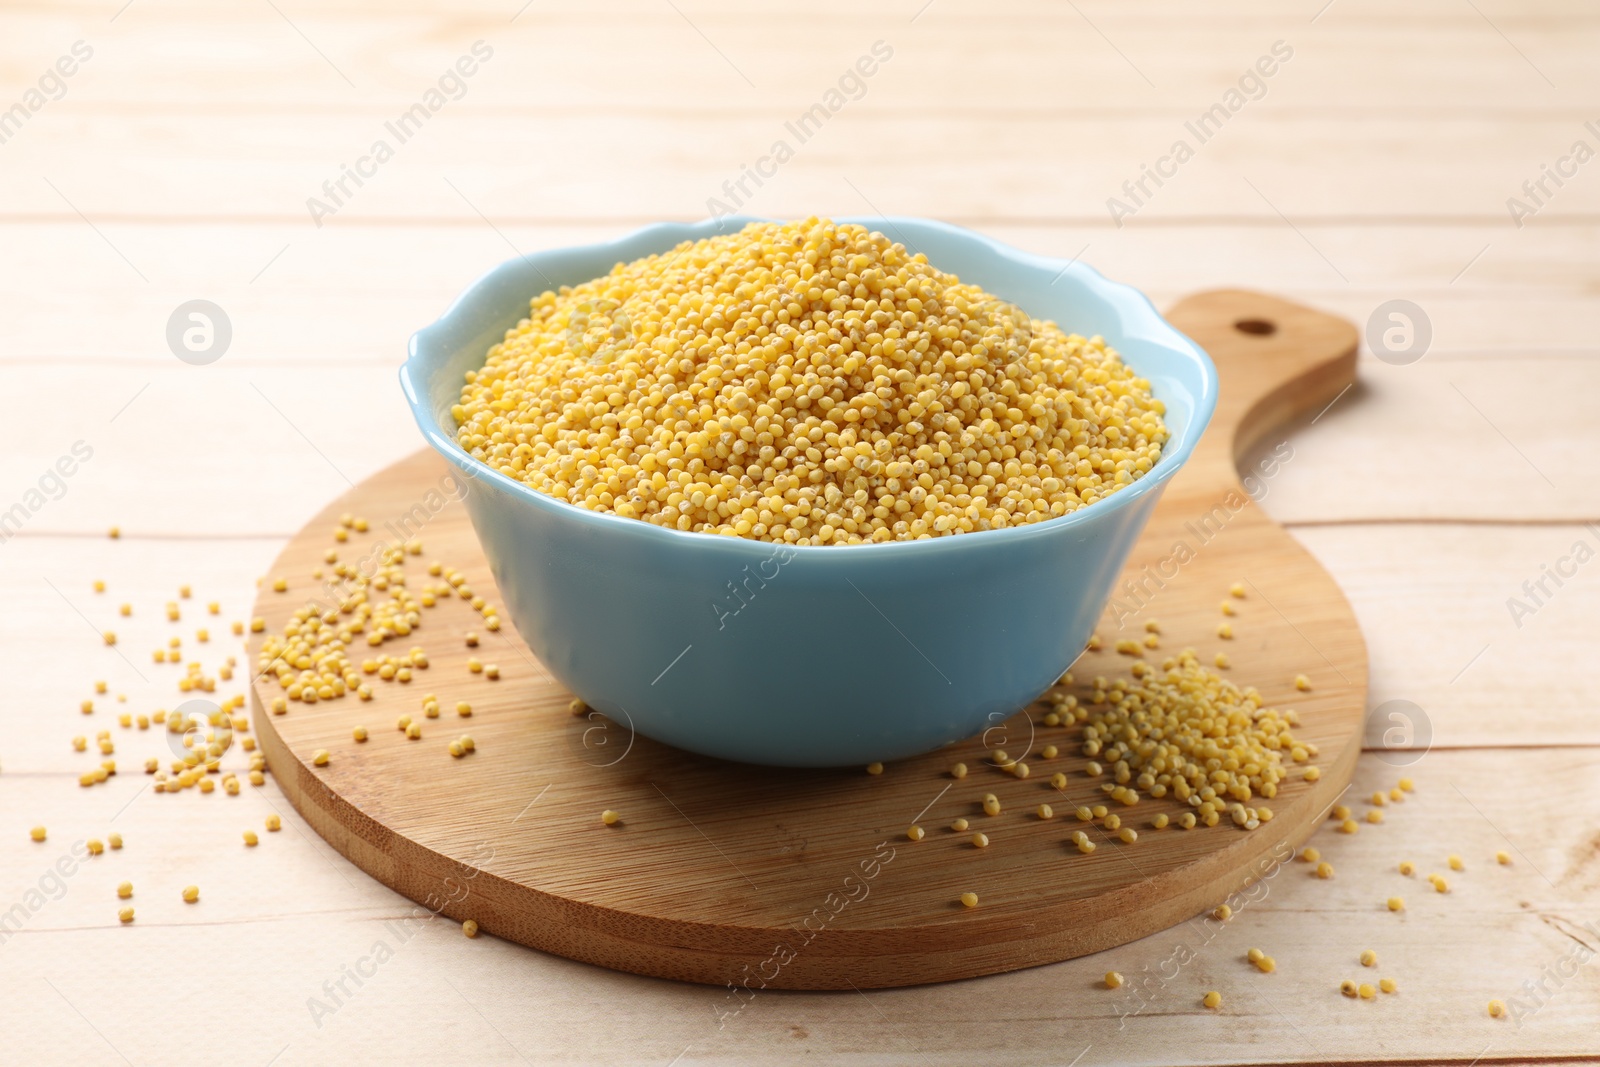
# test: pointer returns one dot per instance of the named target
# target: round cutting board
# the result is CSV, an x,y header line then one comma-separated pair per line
x,y
760,877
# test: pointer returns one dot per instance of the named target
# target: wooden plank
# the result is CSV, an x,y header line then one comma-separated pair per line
x,y
345,294
1485,422
158,165
150,428
618,53
276,922
1454,628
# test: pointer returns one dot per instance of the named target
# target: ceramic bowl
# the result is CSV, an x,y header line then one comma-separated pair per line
x,y
816,655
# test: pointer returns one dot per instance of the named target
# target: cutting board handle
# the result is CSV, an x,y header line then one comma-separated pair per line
x,y
1278,361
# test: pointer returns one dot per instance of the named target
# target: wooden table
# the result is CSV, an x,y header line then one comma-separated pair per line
x,y
1449,496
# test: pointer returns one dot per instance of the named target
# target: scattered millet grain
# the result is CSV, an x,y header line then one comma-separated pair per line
x,y
969,900
470,928
1212,1000
250,839
191,894
1456,864
914,833
1369,958
1386,985
609,817
273,823
1113,980
980,840
1497,1008
125,915
1397,904
37,833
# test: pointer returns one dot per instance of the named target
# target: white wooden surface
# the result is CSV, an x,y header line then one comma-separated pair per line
x,y
1376,166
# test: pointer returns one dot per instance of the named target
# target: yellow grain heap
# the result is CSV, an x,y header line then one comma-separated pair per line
x,y
1185,730
806,382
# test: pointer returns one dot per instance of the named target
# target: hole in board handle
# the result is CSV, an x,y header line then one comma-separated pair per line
x,y
1256,327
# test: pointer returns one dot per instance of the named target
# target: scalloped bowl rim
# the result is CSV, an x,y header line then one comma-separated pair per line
x,y
1141,320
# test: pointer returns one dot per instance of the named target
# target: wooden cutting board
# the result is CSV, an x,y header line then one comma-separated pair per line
x,y
778,878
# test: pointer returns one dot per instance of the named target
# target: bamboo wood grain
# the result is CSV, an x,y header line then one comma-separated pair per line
x,y
757,878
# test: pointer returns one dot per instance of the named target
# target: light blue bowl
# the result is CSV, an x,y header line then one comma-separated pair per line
x,y
819,655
